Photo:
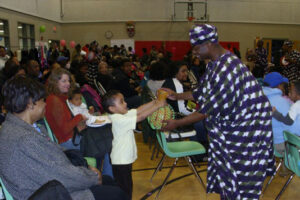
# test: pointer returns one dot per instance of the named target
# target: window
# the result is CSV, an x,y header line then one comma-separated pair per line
x,y
26,36
4,34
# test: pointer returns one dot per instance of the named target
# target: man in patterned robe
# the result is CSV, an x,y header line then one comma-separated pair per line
x,y
261,62
292,64
238,118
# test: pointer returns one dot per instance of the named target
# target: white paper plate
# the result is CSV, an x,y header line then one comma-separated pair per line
x,y
107,121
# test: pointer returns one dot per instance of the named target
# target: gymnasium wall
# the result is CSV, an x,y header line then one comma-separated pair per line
x,y
14,17
244,33
252,11
47,9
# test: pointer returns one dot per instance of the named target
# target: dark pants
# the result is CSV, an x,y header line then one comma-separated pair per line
x,y
123,177
107,192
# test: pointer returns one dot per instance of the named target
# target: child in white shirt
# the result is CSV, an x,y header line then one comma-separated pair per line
x,y
124,150
78,107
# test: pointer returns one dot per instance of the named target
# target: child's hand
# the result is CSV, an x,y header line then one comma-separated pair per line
x,y
84,118
91,110
273,109
160,103
81,126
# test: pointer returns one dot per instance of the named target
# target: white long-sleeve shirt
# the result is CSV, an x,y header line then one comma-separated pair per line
x,y
82,109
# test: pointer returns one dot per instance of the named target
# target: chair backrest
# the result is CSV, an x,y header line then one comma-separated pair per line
x,y
49,131
91,161
292,146
88,91
161,138
6,193
99,87
83,99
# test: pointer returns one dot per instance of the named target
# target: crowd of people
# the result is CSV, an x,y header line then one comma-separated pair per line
x,y
233,115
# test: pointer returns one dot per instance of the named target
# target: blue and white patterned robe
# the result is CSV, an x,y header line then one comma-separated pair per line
x,y
239,129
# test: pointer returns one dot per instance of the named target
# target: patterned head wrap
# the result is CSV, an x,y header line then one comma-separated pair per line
x,y
202,33
288,43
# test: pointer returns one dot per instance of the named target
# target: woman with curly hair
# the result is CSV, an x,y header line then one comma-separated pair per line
x,y
58,114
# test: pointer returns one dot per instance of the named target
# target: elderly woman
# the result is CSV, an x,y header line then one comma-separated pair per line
x,y
238,118
28,159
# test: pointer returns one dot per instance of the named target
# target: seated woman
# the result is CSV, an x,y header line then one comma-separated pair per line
x,y
63,124
57,113
104,77
179,71
28,159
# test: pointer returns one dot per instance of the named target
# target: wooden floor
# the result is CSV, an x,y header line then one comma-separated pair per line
x,y
187,187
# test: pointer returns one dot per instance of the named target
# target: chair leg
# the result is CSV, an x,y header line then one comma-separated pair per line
x,y
189,161
159,166
150,142
166,179
285,186
154,149
272,177
157,152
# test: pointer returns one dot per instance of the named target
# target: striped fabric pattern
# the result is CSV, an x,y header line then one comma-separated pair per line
x,y
291,71
239,129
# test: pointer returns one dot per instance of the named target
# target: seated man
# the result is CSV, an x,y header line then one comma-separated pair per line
x,y
124,84
28,159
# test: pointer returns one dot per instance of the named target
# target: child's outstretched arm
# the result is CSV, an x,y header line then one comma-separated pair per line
x,y
144,110
287,120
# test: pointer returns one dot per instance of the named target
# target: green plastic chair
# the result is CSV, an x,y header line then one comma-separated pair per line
x,y
291,157
178,150
6,193
91,161
49,131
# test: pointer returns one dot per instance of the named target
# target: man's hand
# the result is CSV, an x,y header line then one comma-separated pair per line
x,y
172,94
171,124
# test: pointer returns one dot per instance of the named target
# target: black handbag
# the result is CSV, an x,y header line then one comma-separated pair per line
x,y
76,158
51,190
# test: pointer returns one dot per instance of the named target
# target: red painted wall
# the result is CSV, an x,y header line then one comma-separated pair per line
x,y
177,48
